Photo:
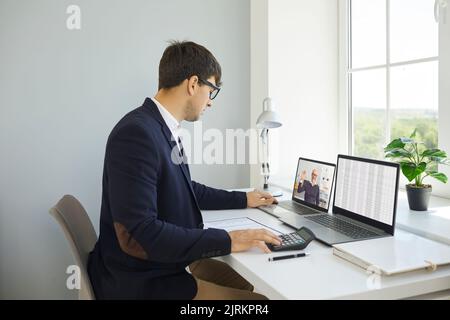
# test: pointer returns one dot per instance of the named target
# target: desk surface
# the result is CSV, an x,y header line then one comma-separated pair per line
x,y
322,275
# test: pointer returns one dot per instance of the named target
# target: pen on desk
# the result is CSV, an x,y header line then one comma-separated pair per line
x,y
298,255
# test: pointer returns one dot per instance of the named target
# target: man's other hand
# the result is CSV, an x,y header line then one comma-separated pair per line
x,y
242,240
303,175
259,198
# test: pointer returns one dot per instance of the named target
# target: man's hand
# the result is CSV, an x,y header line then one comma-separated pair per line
x,y
258,198
242,240
303,175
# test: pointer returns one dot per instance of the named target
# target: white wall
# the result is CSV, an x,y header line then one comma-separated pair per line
x,y
62,91
259,71
303,81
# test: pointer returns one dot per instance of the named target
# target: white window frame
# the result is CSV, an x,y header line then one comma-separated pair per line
x,y
345,111
387,66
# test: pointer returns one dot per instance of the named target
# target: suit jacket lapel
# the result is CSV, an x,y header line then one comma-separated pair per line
x,y
175,153
175,156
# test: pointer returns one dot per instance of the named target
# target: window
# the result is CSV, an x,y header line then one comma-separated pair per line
x,y
392,70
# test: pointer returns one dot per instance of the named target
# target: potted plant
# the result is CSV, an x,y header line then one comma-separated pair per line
x,y
417,162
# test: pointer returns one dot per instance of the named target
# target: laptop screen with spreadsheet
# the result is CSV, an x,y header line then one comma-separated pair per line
x,y
366,190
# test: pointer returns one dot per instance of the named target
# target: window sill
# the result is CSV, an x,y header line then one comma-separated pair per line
x,y
433,224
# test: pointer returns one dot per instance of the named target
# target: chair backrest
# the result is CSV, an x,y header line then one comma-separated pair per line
x,y
81,236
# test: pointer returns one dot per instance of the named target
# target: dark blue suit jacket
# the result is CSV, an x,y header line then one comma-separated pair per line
x,y
150,225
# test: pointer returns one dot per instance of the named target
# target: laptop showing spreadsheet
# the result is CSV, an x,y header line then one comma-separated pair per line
x,y
364,205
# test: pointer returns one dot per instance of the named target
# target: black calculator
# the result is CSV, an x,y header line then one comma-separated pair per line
x,y
297,240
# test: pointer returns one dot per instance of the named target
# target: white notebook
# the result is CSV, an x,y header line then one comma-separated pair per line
x,y
401,253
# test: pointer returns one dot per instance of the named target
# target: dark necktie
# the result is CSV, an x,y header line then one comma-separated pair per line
x,y
183,157
181,148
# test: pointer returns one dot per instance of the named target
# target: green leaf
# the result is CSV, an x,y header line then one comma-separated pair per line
x,y
411,171
434,153
398,153
439,176
395,144
422,166
413,135
431,167
438,160
408,140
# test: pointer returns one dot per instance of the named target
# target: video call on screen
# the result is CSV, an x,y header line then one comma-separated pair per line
x,y
313,183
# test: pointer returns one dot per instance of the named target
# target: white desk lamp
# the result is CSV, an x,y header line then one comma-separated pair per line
x,y
268,119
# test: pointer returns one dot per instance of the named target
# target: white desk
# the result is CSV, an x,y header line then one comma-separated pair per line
x,y
323,275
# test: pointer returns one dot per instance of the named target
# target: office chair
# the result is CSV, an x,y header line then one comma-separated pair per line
x,y
80,234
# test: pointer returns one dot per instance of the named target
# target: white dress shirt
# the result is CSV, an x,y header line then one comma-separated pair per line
x,y
171,122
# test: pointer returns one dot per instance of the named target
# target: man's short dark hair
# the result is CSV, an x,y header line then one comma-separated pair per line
x,y
182,60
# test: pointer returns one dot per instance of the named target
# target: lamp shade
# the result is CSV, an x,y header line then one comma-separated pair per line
x,y
268,119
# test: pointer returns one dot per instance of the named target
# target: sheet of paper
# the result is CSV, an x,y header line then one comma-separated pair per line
x,y
238,224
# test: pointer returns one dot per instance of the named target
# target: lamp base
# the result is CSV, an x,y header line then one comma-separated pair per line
x,y
273,192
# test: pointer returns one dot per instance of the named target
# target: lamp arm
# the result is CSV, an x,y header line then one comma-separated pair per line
x,y
268,152
266,158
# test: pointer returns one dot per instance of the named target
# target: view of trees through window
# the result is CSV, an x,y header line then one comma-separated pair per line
x,y
369,129
393,72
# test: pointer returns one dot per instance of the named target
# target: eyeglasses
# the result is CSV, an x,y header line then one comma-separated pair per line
x,y
215,92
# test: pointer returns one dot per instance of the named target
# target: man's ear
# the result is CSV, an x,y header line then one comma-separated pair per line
x,y
192,83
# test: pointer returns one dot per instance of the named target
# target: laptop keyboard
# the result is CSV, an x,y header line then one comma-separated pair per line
x,y
342,226
289,205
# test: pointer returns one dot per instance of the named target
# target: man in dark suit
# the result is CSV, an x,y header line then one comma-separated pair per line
x,y
151,226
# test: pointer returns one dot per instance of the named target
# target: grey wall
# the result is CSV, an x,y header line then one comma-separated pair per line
x,y
62,91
